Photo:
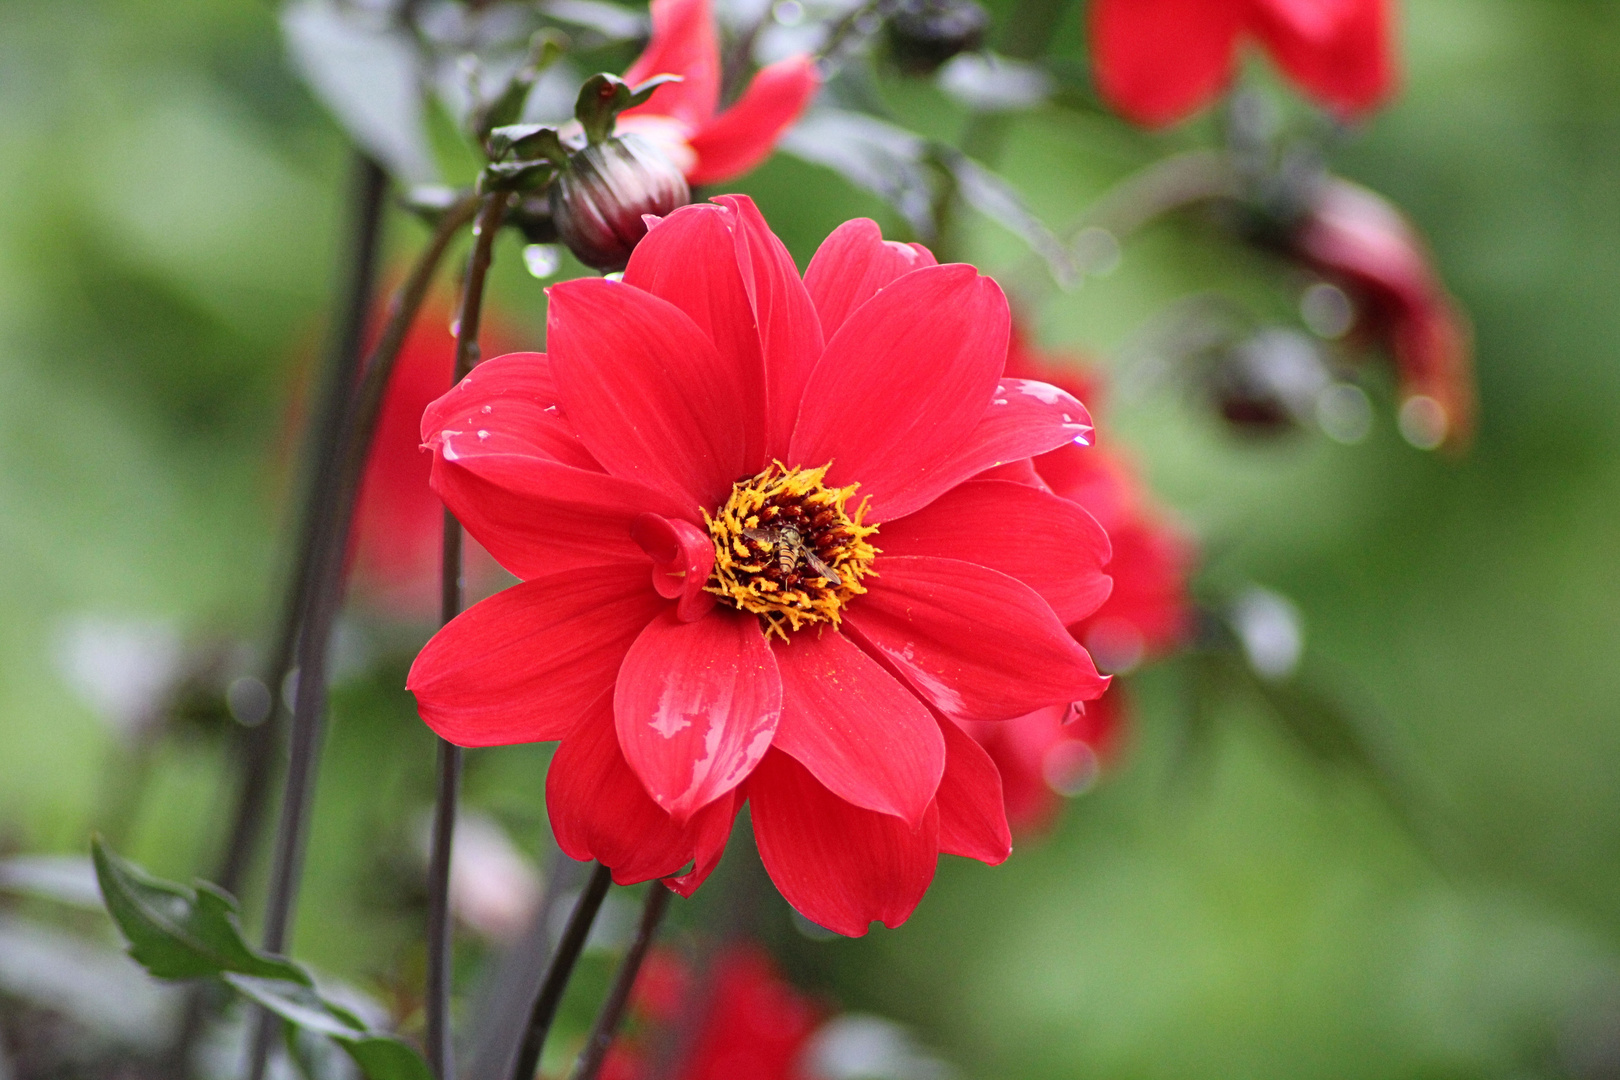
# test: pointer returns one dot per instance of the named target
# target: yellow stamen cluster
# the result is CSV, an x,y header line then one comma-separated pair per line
x,y
786,549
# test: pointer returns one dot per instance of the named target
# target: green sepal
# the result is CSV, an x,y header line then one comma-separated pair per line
x,y
603,97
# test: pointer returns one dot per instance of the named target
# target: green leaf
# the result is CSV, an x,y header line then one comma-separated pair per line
x,y
528,142
180,933
380,1057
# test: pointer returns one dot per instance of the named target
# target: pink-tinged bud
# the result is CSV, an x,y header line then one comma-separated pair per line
x,y
598,199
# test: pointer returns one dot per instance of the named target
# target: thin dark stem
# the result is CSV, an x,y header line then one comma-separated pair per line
x,y
611,1015
440,936
344,356
559,972
326,598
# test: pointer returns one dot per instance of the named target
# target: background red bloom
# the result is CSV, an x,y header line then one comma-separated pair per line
x,y
685,120
605,474
1158,61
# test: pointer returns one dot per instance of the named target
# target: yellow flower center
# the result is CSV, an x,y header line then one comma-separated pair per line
x,y
787,550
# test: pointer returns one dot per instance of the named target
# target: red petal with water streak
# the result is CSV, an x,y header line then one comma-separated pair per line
x,y
1048,543
526,664
902,384
743,136
648,392
683,43
600,811
860,733
841,866
972,814
852,264
976,643
508,405
696,705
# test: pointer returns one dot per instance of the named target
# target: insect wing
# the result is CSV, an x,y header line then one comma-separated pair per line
x,y
828,574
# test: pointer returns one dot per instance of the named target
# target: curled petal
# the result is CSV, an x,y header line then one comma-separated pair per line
x,y
860,733
852,264
841,866
902,384
647,391
526,664
600,811
743,136
976,643
789,331
696,706
682,556
1048,543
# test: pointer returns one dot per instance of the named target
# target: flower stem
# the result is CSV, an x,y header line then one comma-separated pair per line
x,y
559,971
440,939
325,597
611,1015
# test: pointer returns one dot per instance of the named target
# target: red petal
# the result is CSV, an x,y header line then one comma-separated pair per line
x,y
842,867
744,135
540,518
600,811
690,258
902,384
852,264
683,43
1159,60
696,706
526,664
1048,543
972,814
978,644
682,556
647,391
789,331
1337,51
1025,418
860,733
508,405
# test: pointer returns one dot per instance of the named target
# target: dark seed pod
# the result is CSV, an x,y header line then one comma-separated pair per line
x,y
924,34
598,199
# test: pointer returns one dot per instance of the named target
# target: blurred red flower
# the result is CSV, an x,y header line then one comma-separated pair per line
x,y
1057,750
1159,61
1359,241
753,1026
398,528
705,615
683,119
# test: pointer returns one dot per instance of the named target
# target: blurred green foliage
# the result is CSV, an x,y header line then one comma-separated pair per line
x,y
169,207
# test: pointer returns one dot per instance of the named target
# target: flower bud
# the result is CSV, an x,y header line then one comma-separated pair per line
x,y
924,34
599,197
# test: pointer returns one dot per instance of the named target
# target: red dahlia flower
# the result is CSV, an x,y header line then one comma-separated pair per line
x,y
683,119
1159,61
1056,750
758,563
1360,241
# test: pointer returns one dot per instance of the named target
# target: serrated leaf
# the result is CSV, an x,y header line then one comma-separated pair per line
x,y
177,932
366,70
994,197
880,157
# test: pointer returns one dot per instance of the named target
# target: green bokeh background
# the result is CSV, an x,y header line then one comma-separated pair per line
x,y
170,203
